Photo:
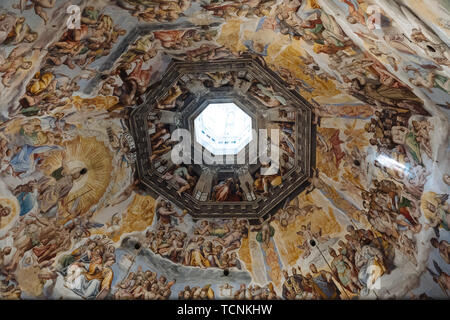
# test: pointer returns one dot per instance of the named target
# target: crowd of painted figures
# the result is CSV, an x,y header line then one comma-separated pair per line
x,y
212,244
363,73
67,187
244,292
144,285
87,269
355,265
76,49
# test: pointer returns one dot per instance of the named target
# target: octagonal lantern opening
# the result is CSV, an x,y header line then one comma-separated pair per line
x,y
223,128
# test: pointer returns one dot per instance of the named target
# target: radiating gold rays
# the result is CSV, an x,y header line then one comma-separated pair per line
x,y
84,153
14,206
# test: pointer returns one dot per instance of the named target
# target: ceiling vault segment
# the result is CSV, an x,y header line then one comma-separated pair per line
x,y
251,72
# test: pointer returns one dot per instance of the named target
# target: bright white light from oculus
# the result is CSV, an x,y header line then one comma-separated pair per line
x,y
223,128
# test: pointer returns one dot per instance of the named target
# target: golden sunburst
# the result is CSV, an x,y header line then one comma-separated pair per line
x,y
86,153
14,206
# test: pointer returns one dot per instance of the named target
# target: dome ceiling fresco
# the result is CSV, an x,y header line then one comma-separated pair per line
x,y
251,183
93,110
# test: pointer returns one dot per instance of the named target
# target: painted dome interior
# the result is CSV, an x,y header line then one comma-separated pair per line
x,y
212,149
